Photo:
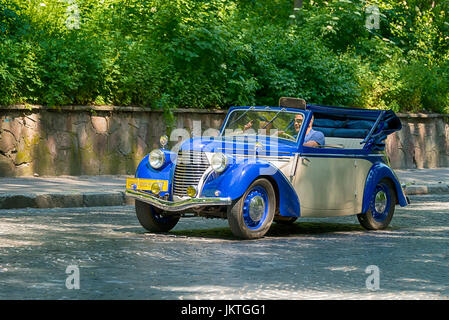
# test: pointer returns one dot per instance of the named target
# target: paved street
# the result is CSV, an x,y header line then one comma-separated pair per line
x,y
199,259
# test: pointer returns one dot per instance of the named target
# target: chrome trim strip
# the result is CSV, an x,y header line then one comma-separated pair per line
x,y
252,152
191,169
179,205
203,181
252,156
294,167
188,176
342,155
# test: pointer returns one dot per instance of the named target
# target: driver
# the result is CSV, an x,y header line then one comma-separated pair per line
x,y
313,138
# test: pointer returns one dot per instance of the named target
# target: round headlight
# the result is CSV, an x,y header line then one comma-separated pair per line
x,y
156,158
219,162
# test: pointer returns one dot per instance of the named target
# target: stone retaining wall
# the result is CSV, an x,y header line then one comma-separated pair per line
x,y
423,142
80,140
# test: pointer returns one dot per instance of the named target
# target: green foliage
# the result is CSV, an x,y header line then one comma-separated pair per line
x,y
19,72
12,22
291,63
217,53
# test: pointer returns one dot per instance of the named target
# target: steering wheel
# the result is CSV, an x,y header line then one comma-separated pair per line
x,y
283,134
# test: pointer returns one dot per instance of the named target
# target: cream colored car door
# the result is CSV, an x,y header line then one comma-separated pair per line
x,y
325,186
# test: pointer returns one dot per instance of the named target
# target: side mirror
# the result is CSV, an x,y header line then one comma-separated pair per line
x,y
296,103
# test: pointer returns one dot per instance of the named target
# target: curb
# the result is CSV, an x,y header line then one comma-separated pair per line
x,y
64,200
427,189
118,198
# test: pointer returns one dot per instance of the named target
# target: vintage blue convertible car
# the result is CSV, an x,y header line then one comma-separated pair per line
x,y
259,170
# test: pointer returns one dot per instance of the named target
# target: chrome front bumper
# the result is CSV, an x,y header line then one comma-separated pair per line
x,y
177,205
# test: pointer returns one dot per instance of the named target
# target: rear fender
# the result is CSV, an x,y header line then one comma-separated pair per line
x,y
378,172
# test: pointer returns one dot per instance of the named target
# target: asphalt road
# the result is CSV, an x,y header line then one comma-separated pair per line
x,y
103,253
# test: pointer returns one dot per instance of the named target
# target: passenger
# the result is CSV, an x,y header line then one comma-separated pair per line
x,y
248,125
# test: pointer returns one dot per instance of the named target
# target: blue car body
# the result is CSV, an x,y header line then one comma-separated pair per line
x,y
336,179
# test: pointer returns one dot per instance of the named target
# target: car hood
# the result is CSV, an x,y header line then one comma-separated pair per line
x,y
241,145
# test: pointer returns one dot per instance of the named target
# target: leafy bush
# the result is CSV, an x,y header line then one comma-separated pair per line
x,y
218,53
19,72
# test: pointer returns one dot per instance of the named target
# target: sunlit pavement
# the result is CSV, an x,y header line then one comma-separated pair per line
x,y
200,259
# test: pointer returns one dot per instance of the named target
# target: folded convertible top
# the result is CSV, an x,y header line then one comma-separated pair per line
x,y
373,126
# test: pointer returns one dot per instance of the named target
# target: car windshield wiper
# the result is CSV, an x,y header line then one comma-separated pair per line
x,y
275,116
243,114
289,125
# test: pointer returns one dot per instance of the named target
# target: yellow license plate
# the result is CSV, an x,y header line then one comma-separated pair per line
x,y
145,184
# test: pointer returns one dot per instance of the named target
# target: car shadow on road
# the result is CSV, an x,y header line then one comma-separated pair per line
x,y
277,230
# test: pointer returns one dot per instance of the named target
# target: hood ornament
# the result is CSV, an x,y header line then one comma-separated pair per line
x,y
258,148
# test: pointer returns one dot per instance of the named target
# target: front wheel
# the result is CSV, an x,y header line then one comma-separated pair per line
x,y
251,216
151,218
381,207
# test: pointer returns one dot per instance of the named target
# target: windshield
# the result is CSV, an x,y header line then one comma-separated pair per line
x,y
276,123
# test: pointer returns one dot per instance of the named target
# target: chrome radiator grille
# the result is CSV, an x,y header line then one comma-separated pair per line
x,y
190,166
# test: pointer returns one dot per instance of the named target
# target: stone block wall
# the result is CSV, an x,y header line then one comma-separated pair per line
x,y
80,140
84,140
423,142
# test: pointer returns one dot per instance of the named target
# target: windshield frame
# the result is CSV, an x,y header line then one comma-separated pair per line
x,y
304,113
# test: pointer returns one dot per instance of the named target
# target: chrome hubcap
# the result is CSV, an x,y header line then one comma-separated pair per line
x,y
380,203
256,208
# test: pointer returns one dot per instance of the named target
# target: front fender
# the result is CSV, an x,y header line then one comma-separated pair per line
x,y
378,172
145,171
238,177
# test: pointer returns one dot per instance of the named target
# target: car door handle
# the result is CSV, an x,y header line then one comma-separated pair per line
x,y
305,161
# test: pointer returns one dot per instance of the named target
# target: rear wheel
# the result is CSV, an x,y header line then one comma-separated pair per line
x,y
151,218
381,207
251,216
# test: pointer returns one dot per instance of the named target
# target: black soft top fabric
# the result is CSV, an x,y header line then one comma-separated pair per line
x,y
347,122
